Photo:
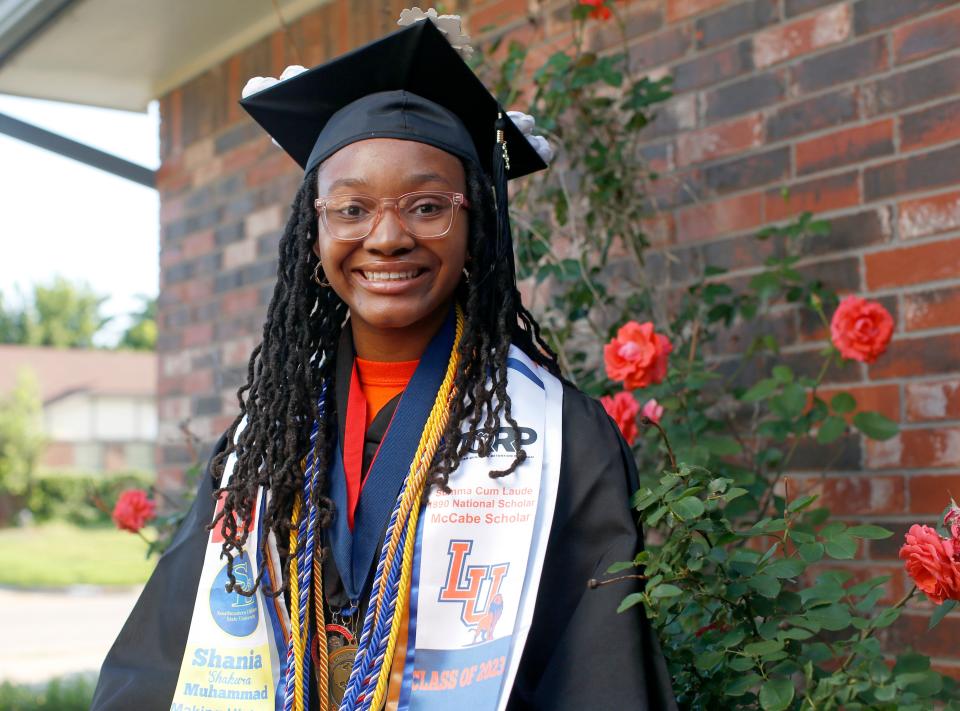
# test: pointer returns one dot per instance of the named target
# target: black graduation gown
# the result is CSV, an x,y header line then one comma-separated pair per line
x,y
580,654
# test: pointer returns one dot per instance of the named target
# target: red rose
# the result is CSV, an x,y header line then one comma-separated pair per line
x,y
600,10
623,408
861,329
637,357
133,510
933,563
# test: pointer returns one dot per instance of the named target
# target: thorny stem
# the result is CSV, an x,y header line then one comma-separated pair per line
x,y
646,422
864,634
593,583
793,447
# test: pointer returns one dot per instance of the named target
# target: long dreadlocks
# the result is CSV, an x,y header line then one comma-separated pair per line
x,y
278,404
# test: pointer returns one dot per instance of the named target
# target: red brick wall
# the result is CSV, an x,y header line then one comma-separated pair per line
x,y
854,105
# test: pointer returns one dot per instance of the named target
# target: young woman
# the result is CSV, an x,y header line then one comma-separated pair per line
x,y
411,502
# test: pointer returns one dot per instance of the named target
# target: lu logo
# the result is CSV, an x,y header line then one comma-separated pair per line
x,y
466,584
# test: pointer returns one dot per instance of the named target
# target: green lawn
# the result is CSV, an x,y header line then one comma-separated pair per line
x,y
59,554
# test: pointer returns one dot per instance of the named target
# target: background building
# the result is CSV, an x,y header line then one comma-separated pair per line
x,y
99,407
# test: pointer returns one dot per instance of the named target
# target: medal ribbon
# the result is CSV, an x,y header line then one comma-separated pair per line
x,y
371,669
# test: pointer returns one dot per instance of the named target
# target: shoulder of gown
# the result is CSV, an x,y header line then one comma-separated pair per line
x,y
580,652
141,669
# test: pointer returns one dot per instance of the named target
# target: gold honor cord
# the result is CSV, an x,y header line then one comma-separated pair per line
x,y
407,519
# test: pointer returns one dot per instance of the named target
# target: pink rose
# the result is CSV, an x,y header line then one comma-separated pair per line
x,y
861,330
652,410
952,521
933,563
637,357
623,408
133,510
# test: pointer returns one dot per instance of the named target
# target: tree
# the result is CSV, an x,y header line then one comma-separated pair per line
x,y
61,314
141,335
21,441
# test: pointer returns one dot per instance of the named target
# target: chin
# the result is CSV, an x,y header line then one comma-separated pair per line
x,y
393,316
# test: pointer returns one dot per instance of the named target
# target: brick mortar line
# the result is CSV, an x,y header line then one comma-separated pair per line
x,y
812,261
808,474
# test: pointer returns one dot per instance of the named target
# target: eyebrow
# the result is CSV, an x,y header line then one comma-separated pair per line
x,y
416,179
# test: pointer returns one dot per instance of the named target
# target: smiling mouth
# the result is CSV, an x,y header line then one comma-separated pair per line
x,y
392,276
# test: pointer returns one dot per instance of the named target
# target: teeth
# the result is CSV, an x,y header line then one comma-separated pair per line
x,y
389,276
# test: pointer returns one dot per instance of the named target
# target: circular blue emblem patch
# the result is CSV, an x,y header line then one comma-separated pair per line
x,y
235,614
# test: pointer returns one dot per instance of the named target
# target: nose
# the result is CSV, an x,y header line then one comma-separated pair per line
x,y
389,237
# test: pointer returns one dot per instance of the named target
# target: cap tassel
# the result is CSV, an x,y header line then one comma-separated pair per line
x,y
501,165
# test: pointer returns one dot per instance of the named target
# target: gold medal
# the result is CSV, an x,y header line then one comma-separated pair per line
x,y
340,664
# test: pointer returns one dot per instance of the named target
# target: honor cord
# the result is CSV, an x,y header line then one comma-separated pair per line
x,y
371,669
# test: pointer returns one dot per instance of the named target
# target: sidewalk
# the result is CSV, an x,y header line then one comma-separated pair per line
x,y
48,634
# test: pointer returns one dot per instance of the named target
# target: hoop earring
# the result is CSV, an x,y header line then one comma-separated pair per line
x,y
316,276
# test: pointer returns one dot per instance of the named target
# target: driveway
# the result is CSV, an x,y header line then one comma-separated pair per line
x,y
48,634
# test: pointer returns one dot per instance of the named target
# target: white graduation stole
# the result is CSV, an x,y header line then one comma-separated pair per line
x,y
231,660
479,557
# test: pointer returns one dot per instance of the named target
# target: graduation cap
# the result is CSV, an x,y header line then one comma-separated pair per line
x,y
410,84
413,85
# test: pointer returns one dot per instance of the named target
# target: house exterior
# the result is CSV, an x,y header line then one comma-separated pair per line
x,y
99,407
852,106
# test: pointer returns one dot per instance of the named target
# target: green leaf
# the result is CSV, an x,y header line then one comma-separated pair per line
x,y
875,426
722,446
885,693
760,391
741,684
734,493
941,612
629,601
785,568
665,590
830,617
620,567
911,662
802,503
776,695
869,531
708,660
831,430
886,618
758,649
842,547
688,508
842,403
783,373
766,585
792,400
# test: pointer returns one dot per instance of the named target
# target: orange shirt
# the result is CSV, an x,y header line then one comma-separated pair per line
x,y
380,383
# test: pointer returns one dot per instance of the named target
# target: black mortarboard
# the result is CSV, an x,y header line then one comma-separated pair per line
x,y
410,84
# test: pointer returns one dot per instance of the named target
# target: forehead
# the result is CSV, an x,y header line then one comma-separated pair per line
x,y
390,160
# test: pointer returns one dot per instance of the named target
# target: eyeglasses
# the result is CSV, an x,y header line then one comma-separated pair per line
x,y
425,215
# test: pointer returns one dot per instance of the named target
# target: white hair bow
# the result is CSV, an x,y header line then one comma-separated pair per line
x,y
255,84
526,123
449,25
